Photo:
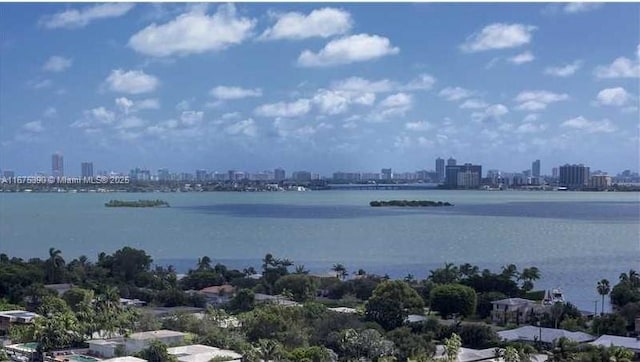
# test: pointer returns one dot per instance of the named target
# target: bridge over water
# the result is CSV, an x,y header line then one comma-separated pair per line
x,y
412,186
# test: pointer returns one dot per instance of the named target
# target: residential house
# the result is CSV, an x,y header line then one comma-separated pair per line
x,y
135,343
218,294
59,288
514,310
630,343
275,299
531,334
12,317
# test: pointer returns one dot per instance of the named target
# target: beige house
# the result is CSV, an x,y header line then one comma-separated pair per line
x,y
514,310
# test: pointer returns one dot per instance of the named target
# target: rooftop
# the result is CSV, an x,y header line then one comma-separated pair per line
x,y
217,289
161,333
513,301
546,335
201,353
125,359
626,342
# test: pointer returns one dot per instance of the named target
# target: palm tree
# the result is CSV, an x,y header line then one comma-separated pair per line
x,y
528,276
301,270
340,270
510,271
603,289
204,263
269,349
55,266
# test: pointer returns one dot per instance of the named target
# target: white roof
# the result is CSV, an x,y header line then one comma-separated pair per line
x,y
469,354
200,353
343,310
125,359
546,335
161,333
626,342
415,318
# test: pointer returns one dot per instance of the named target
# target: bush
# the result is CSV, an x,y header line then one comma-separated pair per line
x,y
452,299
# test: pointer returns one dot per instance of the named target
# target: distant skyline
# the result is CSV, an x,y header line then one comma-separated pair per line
x,y
319,87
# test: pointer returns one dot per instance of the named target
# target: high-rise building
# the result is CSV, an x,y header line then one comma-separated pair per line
x,y
57,164
574,176
440,169
8,174
301,176
163,175
279,174
465,176
535,168
86,169
451,161
201,175
554,172
386,174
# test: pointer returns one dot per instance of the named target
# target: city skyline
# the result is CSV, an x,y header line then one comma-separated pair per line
x,y
319,87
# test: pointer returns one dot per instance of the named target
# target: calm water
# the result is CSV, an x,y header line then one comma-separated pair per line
x,y
575,239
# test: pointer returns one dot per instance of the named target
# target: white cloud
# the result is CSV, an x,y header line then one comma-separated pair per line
x,y
322,23
50,112
613,97
245,127
194,32
418,126
191,118
583,124
230,93
75,18
579,7
620,68
493,112
565,70
473,104
348,49
34,127
132,81
130,122
283,109
57,63
498,36
422,82
530,128
538,100
357,84
397,100
333,102
128,106
95,117
455,93
40,84
522,58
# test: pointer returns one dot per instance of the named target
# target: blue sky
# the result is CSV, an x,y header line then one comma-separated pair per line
x,y
318,86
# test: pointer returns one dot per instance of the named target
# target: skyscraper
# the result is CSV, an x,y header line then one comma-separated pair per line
x,y
440,169
386,174
451,161
279,174
87,169
535,168
57,165
574,176
465,176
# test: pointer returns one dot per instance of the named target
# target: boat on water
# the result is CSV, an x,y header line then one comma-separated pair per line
x,y
553,296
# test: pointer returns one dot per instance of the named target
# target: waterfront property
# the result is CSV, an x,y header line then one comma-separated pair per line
x,y
514,310
531,334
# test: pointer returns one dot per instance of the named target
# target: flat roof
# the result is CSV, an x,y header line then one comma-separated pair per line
x,y
18,314
125,359
546,335
201,353
161,333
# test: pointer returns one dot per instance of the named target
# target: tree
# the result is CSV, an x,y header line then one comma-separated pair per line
x,y
528,276
452,347
603,289
75,296
411,346
269,349
340,270
204,263
613,324
301,286
447,275
453,299
157,352
55,266
624,293
243,301
390,303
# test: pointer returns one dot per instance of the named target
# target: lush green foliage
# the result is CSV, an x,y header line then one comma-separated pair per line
x,y
452,299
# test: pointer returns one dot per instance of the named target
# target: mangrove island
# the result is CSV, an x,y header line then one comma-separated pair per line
x,y
139,203
407,203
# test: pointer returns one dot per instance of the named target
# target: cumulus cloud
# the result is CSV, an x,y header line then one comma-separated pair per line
x,y
75,18
333,102
322,23
357,84
57,63
392,106
564,70
538,99
522,58
40,84
245,127
34,127
613,97
530,127
284,109
455,93
191,118
348,49
418,126
473,104
579,7
582,124
422,82
493,112
498,36
132,81
397,100
231,93
620,68
194,32
95,117
129,106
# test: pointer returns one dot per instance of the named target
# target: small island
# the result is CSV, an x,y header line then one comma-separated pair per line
x,y
139,203
407,203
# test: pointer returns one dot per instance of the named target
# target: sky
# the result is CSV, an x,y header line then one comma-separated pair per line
x,y
321,87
